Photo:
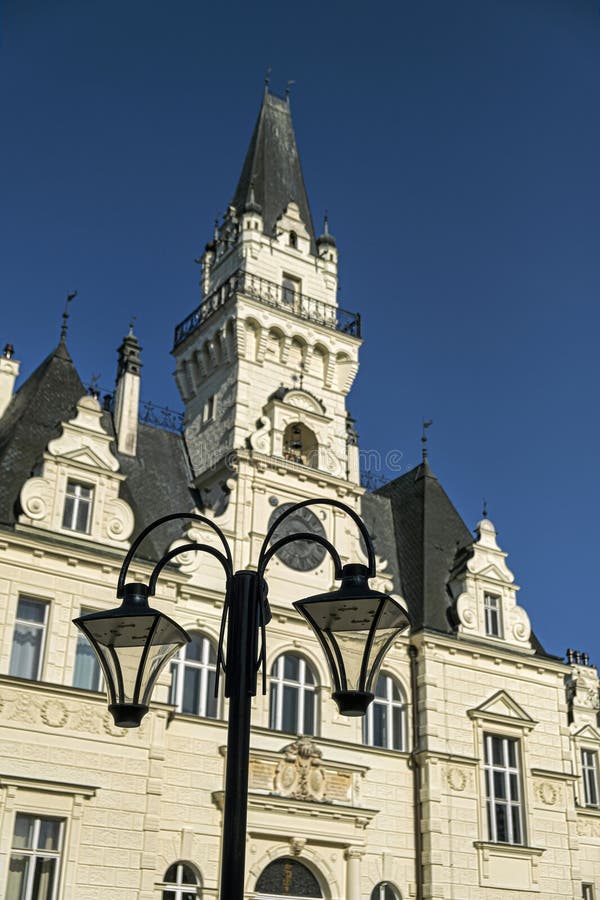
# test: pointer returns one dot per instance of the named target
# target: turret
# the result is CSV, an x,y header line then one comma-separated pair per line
x,y
9,369
127,394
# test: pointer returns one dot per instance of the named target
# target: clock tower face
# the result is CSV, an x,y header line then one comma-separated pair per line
x,y
303,556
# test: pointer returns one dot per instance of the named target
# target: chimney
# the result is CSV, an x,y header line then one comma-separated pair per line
x,y
9,369
127,394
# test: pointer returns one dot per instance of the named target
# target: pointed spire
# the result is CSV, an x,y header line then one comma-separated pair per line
x,y
326,238
272,169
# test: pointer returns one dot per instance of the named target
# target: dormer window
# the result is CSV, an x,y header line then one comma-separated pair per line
x,y
293,240
209,409
77,514
491,607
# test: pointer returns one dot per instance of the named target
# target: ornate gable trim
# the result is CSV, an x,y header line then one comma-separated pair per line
x,y
502,709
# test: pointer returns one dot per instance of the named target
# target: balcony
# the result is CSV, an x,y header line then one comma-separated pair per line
x,y
269,294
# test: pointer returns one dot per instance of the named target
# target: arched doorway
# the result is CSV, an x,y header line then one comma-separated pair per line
x,y
287,879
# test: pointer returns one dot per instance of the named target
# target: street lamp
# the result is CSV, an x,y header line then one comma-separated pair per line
x,y
354,624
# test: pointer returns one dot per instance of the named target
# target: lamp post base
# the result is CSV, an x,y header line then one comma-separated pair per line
x,y
128,715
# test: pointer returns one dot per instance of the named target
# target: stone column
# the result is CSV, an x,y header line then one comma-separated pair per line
x,y
353,856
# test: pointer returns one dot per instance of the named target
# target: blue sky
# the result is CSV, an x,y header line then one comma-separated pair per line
x,y
456,146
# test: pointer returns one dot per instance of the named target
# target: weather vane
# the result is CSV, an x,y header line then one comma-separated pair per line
x,y
426,424
65,315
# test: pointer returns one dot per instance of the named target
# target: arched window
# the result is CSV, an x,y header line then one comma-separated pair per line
x,y
181,883
293,240
287,877
193,673
385,722
292,700
384,891
300,445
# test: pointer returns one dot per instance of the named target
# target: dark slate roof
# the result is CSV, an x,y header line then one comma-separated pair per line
x,y
272,167
376,512
157,483
32,420
429,531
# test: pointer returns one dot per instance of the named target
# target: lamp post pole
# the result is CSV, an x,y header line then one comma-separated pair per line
x,y
134,642
240,687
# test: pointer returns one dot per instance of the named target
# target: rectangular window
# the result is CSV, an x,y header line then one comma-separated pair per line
x,y
589,773
290,290
77,513
587,892
209,409
503,789
28,638
35,858
87,673
491,605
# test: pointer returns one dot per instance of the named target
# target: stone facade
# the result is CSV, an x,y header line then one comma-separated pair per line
x,y
401,811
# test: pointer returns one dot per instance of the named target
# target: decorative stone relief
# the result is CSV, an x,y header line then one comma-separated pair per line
x,y
588,828
260,440
300,774
56,713
458,778
547,793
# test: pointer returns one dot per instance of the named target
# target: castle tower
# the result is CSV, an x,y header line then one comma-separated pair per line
x,y
265,362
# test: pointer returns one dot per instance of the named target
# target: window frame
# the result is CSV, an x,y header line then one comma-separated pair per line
x,y
390,705
82,641
492,614
588,891
278,682
77,502
492,801
43,627
180,663
179,888
291,289
34,853
590,777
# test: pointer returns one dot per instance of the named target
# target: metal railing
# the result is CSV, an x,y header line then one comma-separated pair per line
x,y
270,294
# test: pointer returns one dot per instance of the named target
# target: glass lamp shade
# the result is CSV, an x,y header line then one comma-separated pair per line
x,y
355,627
133,643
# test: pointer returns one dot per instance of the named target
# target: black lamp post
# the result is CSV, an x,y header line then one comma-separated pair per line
x,y
355,626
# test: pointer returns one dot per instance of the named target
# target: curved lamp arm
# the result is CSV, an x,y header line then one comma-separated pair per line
x,y
186,548
321,502
196,517
301,536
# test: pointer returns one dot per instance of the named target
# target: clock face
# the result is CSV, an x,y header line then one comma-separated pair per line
x,y
300,555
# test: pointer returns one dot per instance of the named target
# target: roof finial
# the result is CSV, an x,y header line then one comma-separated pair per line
x,y
267,79
131,323
288,89
484,511
93,388
426,424
65,316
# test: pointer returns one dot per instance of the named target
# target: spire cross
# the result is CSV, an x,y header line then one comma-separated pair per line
x,y
131,323
485,509
65,315
426,424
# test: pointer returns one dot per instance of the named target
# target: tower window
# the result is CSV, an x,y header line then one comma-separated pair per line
x,y
300,445
290,290
209,409
491,606
77,513
293,240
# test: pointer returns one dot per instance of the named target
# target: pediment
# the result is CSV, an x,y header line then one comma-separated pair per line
x,y
501,707
493,573
85,456
588,733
